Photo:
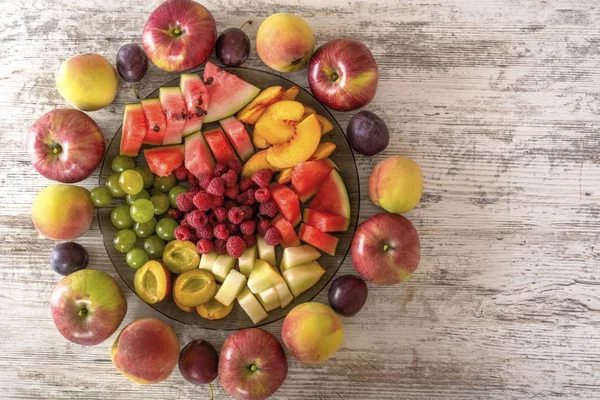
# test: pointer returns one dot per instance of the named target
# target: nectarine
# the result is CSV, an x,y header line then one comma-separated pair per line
x,y
396,184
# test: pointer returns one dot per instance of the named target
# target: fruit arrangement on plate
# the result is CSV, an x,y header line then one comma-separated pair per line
x,y
229,198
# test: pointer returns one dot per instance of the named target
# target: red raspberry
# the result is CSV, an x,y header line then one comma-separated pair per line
x,y
273,236
185,222
204,246
220,231
194,189
235,165
218,201
246,183
247,212
192,179
181,173
216,187
230,178
241,198
193,238
219,169
251,200
185,201
262,195
182,233
203,201
220,246
263,226
232,192
232,228
204,180
263,177
250,240
174,213
235,215
220,214
235,246
229,204
247,227
268,209
197,218
204,232
212,219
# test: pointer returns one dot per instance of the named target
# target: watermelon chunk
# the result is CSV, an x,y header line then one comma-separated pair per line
x,y
326,222
287,202
308,176
157,123
228,93
321,240
238,136
198,158
173,105
332,196
163,160
133,131
196,99
290,238
219,145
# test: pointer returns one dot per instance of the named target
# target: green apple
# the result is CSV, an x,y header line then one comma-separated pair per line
x,y
251,306
232,286
294,256
302,277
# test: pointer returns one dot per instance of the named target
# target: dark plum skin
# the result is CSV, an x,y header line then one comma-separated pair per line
x,y
68,257
132,62
198,362
233,47
367,133
347,295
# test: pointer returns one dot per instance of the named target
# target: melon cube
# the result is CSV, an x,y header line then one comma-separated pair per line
x,y
232,286
251,306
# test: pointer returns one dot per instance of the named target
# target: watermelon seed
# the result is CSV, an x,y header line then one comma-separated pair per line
x,y
156,128
209,81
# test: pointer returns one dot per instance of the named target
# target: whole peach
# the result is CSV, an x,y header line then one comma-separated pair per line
x,y
146,351
62,212
396,184
312,332
285,42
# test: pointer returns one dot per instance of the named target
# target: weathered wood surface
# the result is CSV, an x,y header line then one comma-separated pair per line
x,y
498,102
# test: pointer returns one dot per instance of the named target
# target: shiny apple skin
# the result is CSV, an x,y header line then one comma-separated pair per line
x,y
172,52
243,349
343,74
87,307
65,145
386,249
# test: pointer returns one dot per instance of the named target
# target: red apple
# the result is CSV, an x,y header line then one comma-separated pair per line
x,y
179,35
343,74
65,145
87,307
386,249
252,365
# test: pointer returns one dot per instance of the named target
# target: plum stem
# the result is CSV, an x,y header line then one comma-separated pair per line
x,y
212,396
135,90
249,22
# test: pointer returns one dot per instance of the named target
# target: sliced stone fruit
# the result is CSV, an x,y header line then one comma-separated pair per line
x,y
285,176
180,256
181,306
302,277
278,123
257,162
291,93
323,150
326,125
251,306
134,130
247,260
299,148
152,282
194,287
251,112
232,286
213,310
294,256
321,240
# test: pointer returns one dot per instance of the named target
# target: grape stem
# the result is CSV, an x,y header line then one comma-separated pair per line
x,y
135,90
212,397
249,22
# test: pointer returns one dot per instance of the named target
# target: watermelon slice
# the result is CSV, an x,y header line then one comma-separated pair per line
x,y
290,238
157,123
198,158
287,202
238,136
228,93
133,131
196,101
332,196
173,105
321,240
163,160
326,222
308,176
219,145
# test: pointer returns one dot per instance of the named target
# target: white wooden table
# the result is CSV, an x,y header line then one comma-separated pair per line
x,y
498,102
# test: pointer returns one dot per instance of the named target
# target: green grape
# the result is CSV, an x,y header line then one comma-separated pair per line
x,y
154,246
142,210
147,175
130,198
136,257
112,184
120,217
165,228
164,183
100,197
131,182
124,240
122,163
174,192
146,229
161,203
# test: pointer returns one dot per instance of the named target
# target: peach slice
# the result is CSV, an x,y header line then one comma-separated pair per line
x,y
256,107
308,111
323,150
258,141
281,111
275,132
152,282
326,125
299,148
213,310
291,93
194,287
255,163
285,176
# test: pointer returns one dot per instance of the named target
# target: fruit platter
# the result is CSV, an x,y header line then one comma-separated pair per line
x,y
341,157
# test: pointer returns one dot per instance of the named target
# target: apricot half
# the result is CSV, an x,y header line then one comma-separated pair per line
x,y
194,287
152,282
213,310
299,148
180,256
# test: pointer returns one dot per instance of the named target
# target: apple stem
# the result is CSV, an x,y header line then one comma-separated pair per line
x,y
334,77
135,90
82,312
177,31
56,149
249,22
212,396
386,247
253,368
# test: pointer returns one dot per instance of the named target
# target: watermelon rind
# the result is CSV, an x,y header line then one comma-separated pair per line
x,y
332,196
133,131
